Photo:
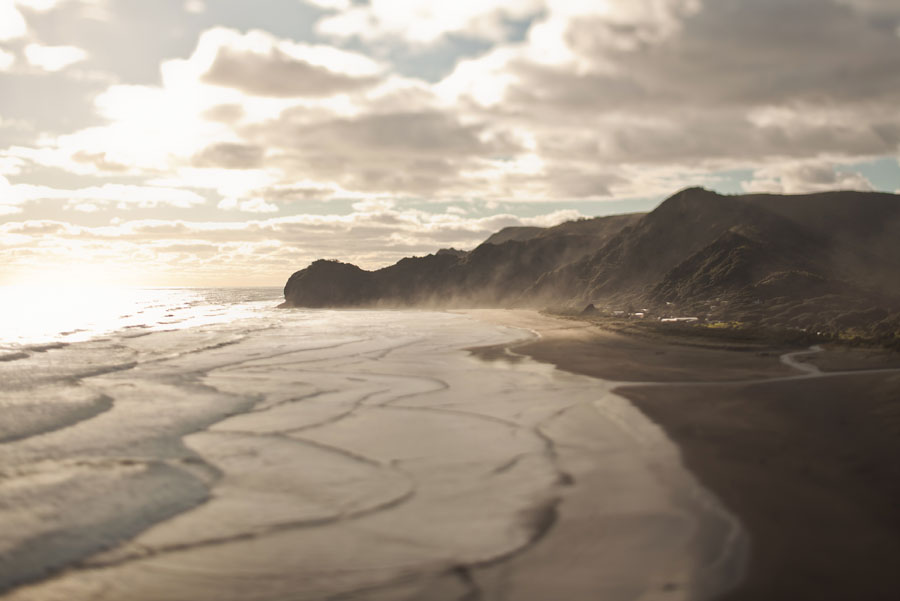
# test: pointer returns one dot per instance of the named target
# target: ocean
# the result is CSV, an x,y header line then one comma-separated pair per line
x,y
202,444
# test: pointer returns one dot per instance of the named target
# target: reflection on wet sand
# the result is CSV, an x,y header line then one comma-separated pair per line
x,y
364,455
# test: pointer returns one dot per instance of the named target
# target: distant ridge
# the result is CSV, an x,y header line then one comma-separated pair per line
x,y
494,273
519,233
828,260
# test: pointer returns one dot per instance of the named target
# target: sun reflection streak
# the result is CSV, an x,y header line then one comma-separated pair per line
x,y
37,313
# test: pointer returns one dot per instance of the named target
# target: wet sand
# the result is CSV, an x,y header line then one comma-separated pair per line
x,y
806,459
353,455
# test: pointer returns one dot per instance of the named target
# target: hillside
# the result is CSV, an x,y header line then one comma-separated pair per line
x,y
826,261
520,233
491,274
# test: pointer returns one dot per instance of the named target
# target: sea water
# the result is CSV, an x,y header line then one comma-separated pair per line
x,y
202,444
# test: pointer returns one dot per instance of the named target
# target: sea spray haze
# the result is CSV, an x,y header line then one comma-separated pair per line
x,y
823,263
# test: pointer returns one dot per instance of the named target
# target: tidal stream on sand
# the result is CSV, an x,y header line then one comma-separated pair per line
x,y
339,455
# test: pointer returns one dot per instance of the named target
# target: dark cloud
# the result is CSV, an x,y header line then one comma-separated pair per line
x,y
417,152
732,80
415,134
278,74
742,52
34,227
229,155
576,183
225,113
99,161
727,133
287,194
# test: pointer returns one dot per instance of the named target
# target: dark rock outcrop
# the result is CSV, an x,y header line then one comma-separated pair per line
x,y
329,284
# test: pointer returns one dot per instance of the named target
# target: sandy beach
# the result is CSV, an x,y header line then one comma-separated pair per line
x,y
490,455
359,455
801,448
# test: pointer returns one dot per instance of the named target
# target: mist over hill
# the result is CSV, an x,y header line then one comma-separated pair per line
x,y
827,261
496,273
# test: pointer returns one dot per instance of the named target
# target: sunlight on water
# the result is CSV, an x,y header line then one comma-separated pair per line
x,y
36,314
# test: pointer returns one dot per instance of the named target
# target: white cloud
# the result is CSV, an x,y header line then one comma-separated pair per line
x,y
11,165
258,63
803,177
53,58
251,205
124,196
39,5
120,195
427,21
150,130
233,183
10,201
12,23
612,99
6,60
156,129
195,6
175,252
330,4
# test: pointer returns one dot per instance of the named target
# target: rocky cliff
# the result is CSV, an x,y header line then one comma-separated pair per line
x,y
803,261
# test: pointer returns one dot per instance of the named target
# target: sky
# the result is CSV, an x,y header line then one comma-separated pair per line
x,y
230,143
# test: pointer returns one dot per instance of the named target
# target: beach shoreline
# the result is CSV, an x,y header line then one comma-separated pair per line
x,y
354,455
804,458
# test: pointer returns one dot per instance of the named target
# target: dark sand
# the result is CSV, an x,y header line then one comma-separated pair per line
x,y
811,466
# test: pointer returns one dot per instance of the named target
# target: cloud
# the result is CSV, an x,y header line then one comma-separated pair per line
x,y
421,152
224,113
877,7
680,84
195,6
53,58
261,251
601,100
9,201
12,23
727,53
11,165
427,21
252,205
187,121
229,183
92,197
331,4
805,177
40,5
6,59
259,64
230,155
301,191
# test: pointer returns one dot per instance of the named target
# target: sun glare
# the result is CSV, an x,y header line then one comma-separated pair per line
x,y
43,313
80,277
